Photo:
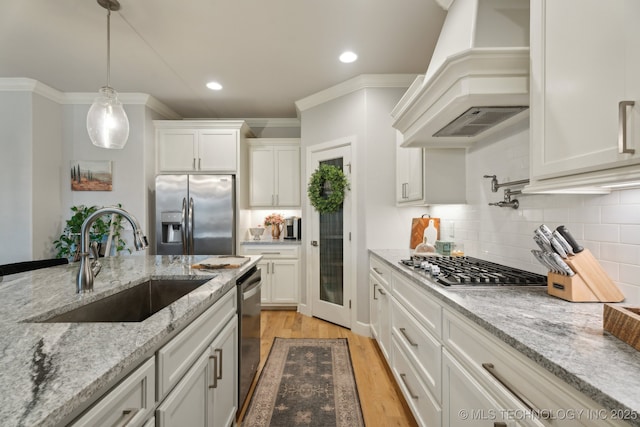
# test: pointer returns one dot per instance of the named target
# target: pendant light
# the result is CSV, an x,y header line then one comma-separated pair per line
x,y
107,122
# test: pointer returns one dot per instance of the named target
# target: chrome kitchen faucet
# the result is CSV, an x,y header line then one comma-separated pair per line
x,y
84,281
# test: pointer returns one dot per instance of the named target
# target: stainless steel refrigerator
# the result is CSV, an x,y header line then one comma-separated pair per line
x,y
195,215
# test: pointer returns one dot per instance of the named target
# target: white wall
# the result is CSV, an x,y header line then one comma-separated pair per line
x,y
364,117
608,225
15,176
31,142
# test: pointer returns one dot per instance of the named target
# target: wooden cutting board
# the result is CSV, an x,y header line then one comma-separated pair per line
x,y
418,225
223,261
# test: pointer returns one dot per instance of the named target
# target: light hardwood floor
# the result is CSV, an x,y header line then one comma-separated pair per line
x,y
381,401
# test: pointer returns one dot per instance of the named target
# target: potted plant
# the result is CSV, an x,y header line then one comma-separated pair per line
x,y
68,244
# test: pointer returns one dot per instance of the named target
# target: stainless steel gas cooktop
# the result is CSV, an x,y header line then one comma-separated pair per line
x,y
465,270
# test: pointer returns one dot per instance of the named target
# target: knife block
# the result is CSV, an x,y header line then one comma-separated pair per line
x,y
590,283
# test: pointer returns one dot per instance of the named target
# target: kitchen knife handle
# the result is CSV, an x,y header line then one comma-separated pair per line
x,y
569,238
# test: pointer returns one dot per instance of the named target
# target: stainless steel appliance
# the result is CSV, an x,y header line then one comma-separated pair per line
x,y
469,271
195,215
293,228
249,306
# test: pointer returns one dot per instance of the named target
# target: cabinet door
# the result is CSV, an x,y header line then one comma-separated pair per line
x,y
287,176
224,391
187,403
409,174
384,320
464,401
177,150
374,298
218,150
265,294
261,180
582,57
284,281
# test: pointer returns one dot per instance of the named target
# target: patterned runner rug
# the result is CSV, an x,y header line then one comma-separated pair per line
x,y
306,382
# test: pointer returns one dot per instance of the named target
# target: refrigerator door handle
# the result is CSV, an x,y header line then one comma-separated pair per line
x,y
191,230
183,226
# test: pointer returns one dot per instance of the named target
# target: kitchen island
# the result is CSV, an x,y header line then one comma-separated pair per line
x,y
556,339
51,372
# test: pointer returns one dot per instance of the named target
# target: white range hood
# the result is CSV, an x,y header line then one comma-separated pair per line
x,y
477,81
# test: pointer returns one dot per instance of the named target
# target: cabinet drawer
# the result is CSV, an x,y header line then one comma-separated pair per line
x,y
418,302
420,346
175,358
272,251
380,270
515,381
424,407
129,403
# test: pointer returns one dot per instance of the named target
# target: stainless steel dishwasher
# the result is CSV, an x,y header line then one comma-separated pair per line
x,y
249,306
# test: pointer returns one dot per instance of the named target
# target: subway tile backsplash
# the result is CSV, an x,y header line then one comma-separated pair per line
x,y
608,225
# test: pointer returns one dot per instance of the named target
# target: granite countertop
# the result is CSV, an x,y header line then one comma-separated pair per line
x,y
52,370
268,241
565,338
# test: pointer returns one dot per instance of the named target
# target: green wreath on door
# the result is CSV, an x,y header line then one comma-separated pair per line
x,y
327,188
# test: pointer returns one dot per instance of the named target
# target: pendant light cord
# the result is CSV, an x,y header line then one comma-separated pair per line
x,y
108,46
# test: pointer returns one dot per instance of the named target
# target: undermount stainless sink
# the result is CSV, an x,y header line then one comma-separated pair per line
x,y
131,305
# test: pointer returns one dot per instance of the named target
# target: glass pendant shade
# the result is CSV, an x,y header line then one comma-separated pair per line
x,y
107,122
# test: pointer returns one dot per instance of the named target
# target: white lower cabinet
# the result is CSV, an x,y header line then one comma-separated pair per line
x,y
280,265
206,395
379,304
453,372
191,381
423,404
467,403
128,403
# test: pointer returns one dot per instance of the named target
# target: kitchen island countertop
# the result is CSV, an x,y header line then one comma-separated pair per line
x,y
565,338
51,371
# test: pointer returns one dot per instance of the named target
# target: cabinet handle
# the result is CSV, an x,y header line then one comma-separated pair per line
x,y
268,267
526,402
403,331
622,127
277,200
269,253
194,164
128,415
378,271
499,424
273,268
215,372
199,163
273,202
219,372
375,285
404,381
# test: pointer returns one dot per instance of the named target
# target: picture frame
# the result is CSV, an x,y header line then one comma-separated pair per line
x,y
91,175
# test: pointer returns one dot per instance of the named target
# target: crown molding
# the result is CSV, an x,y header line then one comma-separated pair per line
x,y
23,84
362,81
273,122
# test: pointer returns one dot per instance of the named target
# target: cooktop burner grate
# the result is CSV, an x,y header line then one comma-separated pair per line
x,y
451,271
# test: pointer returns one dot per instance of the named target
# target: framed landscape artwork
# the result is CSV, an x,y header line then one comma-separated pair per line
x,y
91,175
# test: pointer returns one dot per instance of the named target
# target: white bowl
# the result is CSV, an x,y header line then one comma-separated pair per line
x,y
256,232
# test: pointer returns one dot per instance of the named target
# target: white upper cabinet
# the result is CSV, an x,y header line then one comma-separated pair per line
x,y
274,169
199,146
585,62
427,176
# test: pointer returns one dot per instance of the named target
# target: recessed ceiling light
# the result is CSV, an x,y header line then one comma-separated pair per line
x,y
348,57
214,85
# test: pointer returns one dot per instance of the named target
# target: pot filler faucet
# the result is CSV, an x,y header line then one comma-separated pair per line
x,y
84,281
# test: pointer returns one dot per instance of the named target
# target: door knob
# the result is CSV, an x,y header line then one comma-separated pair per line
x,y
314,243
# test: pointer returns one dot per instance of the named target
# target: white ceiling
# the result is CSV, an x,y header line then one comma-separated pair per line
x,y
266,53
